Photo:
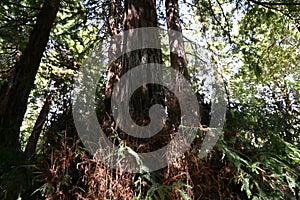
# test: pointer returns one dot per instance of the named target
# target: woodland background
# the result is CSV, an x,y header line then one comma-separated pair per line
x,y
254,44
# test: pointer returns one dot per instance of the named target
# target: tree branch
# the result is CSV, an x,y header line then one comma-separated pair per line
x,y
275,3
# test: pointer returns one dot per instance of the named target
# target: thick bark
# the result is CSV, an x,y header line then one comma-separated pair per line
x,y
14,94
37,129
138,14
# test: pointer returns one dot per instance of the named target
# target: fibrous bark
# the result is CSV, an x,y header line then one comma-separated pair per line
x,y
139,14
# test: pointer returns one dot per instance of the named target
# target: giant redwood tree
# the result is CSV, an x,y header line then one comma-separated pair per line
x,y
258,155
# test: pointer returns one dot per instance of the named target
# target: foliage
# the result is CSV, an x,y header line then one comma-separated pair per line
x,y
255,44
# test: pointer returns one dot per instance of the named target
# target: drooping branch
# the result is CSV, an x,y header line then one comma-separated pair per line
x,y
275,3
208,6
275,6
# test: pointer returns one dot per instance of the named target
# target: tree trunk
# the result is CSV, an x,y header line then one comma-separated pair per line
x,y
14,94
178,59
113,70
177,55
179,62
138,14
37,129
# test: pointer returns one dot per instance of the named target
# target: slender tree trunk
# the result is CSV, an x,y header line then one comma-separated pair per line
x,y
37,129
14,94
177,55
178,59
179,62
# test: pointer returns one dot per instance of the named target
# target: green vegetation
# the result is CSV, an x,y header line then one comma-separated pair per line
x,y
255,46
